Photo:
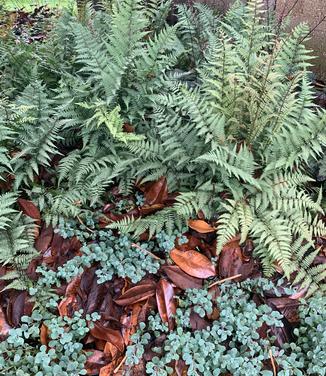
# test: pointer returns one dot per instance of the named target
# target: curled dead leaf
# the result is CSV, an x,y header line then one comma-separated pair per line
x,y
136,294
200,226
232,263
68,305
44,333
111,350
181,279
193,263
165,302
157,192
108,334
73,285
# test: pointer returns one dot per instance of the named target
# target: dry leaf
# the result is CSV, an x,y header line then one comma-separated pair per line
x,y
136,294
157,192
166,302
44,333
108,334
181,279
200,226
231,262
29,208
4,326
111,350
43,242
193,263
67,306
95,362
107,370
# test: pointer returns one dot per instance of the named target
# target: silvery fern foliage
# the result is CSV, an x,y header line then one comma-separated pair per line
x,y
246,127
217,105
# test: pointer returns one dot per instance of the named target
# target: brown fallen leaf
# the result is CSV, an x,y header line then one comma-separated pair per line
x,y
43,241
108,334
157,192
95,362
180,368
111,350
287,306
107,370
68,306
165,302
193,263
200,226
30,209
197,322
73,286
128,128
136,294
181,279
4,326
130,322
44,333
16,308
231,262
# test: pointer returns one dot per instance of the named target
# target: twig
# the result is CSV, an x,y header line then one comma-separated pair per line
x,y
273,362
314,28
145,250
116,370
291,8
225,280
82,223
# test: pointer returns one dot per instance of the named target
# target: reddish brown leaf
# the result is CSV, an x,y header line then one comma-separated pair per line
x,y
287,306
149,209
193,263
96,361
128,128
180,368
232,262
4,326
111,350
16,308
197,322
157,192
130,322
73,285
107,370
108,334
29,208
166,302
44,333
136,294
99,343
200,226
193,243
181,279
43,242
68,306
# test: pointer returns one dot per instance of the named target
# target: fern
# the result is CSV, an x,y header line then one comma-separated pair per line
x,y
222,107
16,241
7,200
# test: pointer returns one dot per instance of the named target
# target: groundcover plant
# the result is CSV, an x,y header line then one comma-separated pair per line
x,y
155,169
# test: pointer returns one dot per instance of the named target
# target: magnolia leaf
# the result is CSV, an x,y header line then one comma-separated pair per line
x,y
193,263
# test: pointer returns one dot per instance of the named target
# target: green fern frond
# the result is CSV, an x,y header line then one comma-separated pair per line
x,y
7,200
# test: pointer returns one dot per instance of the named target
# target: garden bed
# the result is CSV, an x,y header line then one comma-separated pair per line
x,y
161,194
